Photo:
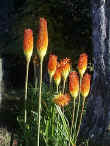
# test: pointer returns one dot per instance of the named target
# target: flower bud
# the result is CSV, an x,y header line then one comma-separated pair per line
x,y
82,64
74,84
85,85
42,39
28,43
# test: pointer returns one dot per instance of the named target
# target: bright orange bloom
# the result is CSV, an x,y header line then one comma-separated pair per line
x,y
62,99
82,64
85,85
57,76
42,39
65,66
28,43
52,64
74,84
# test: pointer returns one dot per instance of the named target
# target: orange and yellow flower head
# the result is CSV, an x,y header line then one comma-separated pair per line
x,y
57,76
82,63
28,43
52,64
42,39
65,66
62,99
74,84
85,85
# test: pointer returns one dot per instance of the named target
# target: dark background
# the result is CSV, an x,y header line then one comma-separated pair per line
x,y
69,28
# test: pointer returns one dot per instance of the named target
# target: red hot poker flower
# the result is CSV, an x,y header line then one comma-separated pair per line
x,y
57,76
65,66
62,99
28,43
42,40
82,63
85,85
74,84
52,64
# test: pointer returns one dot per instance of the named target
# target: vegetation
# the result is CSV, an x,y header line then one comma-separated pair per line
x,y
69,29
47,121
54,123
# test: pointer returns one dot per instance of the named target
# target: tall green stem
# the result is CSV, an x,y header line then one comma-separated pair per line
x,y
83,102
77,112
26,86
73,117
50,79
39,106
57,88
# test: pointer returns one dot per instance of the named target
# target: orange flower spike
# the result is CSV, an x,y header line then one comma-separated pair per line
x,y
28,43
62,99
82,64
57,76
52,64
74,84
42,40
85,85
65,65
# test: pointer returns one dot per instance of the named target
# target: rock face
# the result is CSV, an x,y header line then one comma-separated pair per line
x,y
97,119
5,137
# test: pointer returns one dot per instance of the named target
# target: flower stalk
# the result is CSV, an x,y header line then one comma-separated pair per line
x,y
85,88
39,106
42,44
77,112
26,85
28,50
74,91
73,115
82,109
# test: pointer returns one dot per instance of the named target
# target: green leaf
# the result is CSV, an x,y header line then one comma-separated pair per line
x,y
65,124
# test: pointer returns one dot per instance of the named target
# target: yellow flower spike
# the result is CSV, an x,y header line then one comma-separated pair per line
x,y
74,84
85,88
42,44
57,77
82,64
42,40
85,85
65,66
52,64
74,91
28,43
28,50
